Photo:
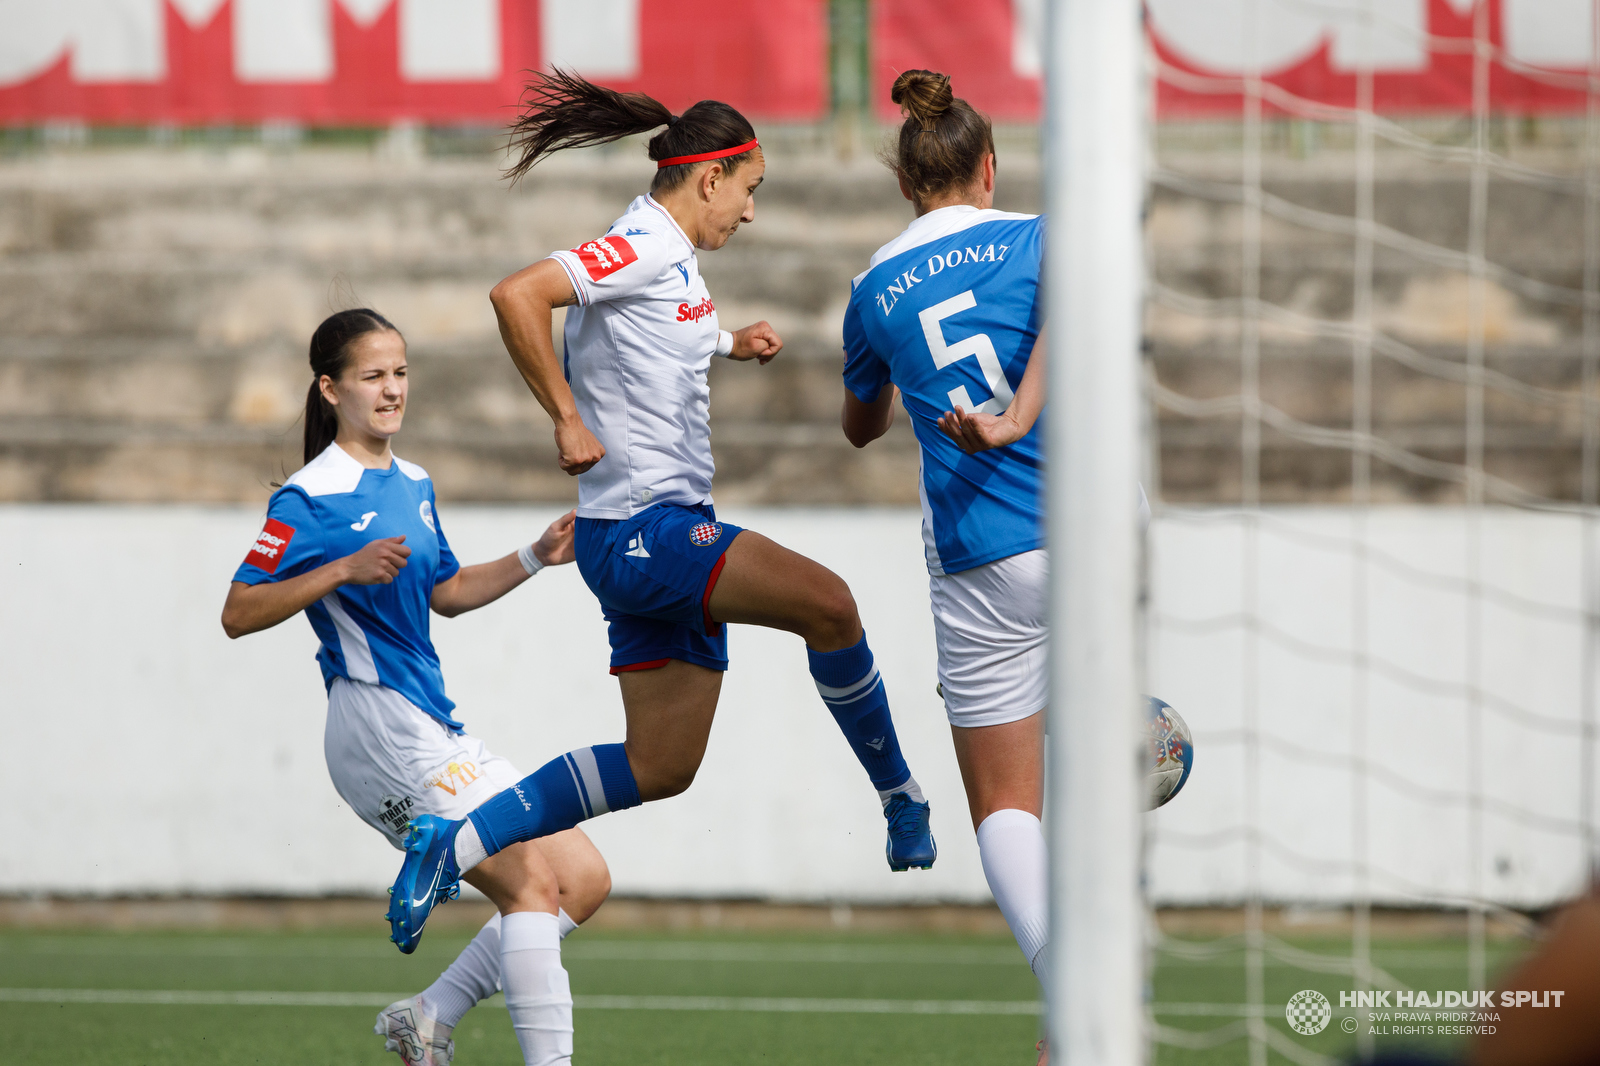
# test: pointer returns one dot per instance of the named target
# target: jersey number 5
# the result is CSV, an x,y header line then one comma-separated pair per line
x,y
978,344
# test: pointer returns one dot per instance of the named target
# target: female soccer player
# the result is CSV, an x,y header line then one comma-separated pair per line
x,y
353,539
948,312
630,406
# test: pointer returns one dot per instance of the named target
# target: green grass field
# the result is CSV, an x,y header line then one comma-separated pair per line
x,y
1202,992
309,999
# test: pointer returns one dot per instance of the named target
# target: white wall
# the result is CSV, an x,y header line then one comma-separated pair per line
x,y
146,752
152,754
1419,846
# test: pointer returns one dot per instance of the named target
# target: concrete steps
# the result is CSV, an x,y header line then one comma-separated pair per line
x,y
155,306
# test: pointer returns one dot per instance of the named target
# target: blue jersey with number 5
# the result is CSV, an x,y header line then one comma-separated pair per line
x,y
949,311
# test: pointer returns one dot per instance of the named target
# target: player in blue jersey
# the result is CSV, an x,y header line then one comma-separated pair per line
x,y
947,315
630,405
354,540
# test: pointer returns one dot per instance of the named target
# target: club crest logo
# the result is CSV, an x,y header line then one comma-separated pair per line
x,y
1308,1012
426,512
704,534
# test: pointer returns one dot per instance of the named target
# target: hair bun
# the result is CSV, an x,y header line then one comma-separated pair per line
x,y
924,95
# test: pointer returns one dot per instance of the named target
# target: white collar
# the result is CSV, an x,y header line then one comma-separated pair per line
x,y
653,202
940,222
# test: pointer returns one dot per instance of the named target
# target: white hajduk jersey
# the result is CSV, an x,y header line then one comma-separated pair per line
x,y
639,346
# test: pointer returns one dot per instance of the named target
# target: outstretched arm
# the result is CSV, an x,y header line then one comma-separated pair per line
x,y
865,422
252,608
976,432
472,587
523,303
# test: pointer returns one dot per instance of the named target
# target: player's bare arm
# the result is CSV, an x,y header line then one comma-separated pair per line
x,y
252,608
865,422
475,586
976,432
523,304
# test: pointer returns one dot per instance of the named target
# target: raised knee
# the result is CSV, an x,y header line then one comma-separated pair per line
x,y
841,608
838,623
673,782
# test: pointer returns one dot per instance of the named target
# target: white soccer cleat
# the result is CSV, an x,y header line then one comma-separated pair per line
x,y
414,1035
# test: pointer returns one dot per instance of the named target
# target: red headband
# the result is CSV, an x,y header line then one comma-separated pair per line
x,y
703,156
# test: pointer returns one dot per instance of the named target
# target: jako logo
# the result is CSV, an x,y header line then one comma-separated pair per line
x,y
697,312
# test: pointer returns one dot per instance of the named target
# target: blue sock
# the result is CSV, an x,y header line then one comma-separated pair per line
x,y
580,785
849,683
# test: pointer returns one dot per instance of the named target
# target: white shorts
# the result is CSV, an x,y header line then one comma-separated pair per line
x,y
391,761
990,626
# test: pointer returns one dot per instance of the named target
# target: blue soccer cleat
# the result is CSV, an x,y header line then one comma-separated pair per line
x,y
427,876
910,836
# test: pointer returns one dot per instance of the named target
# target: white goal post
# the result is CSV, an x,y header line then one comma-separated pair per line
x,y
1094,191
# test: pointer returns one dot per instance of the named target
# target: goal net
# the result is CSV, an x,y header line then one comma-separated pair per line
x,y
1372,339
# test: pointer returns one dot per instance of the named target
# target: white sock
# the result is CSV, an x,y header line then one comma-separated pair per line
x,y
538,994
909,787
472,978
1011,845
469,848
475,974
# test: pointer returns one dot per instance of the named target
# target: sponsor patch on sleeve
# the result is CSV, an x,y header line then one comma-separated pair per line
x,y
271,543
605,256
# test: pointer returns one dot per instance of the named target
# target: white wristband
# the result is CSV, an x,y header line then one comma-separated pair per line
x,y
724,342
530,562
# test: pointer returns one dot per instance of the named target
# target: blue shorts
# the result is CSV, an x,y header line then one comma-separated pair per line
x,y
653,574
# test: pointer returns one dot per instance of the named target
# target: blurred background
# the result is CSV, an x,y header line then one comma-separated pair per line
x,y
1373,333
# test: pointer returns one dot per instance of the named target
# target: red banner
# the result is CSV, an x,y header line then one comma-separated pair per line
x,y
973,41
362,62
1421,53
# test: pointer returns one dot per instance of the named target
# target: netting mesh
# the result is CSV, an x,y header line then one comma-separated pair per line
x,y
1383,348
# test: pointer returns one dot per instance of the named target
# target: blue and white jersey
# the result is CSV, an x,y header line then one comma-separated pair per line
x,y
949,312
333,507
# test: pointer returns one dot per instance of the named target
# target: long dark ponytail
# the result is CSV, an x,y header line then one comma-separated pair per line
x,y
330,355
561,110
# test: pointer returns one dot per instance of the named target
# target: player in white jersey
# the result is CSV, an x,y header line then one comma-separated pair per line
x,y
354,539
948,316
631,406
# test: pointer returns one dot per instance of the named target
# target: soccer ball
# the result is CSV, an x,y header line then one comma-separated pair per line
x,y
1171,753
